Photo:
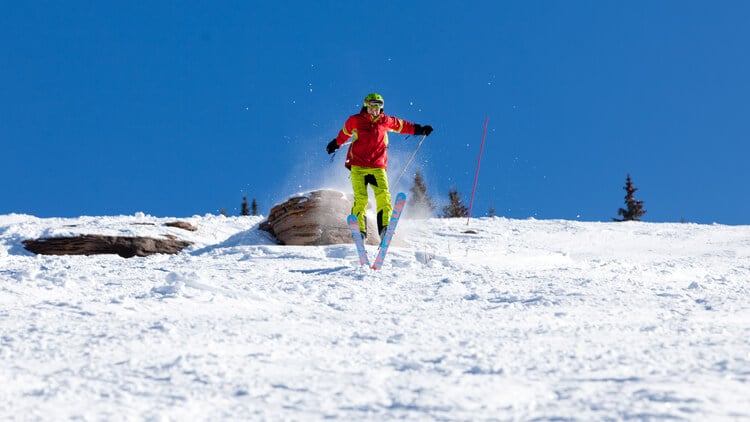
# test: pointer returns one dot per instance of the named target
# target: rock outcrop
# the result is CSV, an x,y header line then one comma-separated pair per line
x,y
93,244
315,218
184,225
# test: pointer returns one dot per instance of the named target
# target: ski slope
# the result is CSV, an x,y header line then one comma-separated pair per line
x,y
522,319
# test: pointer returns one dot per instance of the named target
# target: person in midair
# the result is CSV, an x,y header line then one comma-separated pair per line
x,y
367,157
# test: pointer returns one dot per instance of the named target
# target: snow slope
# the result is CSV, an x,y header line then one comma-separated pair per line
x,y
524,319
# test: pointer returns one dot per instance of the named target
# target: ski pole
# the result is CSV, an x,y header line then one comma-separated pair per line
x,y
476,175
410,158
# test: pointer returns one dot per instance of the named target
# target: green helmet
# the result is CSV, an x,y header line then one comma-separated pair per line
x,y
374,100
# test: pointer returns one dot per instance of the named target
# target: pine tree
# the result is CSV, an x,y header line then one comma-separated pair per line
x,y
245,208
255,207
420,203
635,210
491,212
455,207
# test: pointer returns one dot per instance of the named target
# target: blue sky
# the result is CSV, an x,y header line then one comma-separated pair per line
x,y
181,108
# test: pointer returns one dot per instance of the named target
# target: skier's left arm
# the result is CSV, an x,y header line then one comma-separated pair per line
x,y
402,126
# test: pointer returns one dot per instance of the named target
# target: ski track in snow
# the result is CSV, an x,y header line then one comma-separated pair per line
x,y
524,319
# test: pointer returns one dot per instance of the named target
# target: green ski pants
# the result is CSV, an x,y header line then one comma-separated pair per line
x,y
378,179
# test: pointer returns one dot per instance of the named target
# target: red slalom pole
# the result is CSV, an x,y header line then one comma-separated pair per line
x,y
476,174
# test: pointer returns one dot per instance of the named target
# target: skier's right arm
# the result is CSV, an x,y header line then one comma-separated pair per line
x,y
345,133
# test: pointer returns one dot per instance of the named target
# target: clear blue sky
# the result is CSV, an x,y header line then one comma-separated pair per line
x,y
181,108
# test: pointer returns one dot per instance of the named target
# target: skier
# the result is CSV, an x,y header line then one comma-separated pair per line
x,y
367,158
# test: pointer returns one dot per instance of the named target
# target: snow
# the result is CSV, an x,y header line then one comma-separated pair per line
x,y
524,319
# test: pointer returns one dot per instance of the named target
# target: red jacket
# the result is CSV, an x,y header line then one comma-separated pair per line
x,y
370,138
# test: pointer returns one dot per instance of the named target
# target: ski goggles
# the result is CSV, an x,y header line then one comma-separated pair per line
x,y
375,104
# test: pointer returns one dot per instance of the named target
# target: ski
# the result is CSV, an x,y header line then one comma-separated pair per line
x,y
353,224
398,206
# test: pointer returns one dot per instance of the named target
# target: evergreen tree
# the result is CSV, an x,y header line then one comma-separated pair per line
x,y
491,212
634,210
245,208
420,203
255,207
455,207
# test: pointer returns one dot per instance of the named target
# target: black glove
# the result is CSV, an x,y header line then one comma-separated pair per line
x,y
332,147
422,130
